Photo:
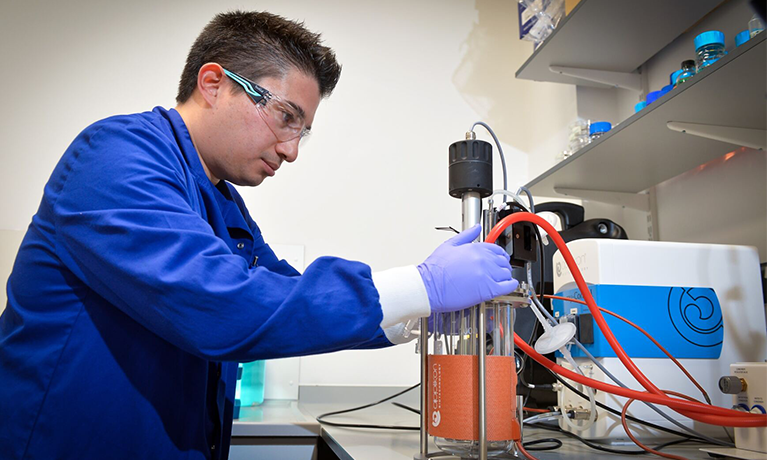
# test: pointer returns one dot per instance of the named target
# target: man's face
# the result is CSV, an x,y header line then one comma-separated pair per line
x,y
242,148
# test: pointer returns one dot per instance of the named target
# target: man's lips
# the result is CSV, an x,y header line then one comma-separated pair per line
x,y
270,167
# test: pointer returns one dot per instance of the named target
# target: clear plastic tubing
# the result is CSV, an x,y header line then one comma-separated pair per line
x,y
709,48
688,71
598,128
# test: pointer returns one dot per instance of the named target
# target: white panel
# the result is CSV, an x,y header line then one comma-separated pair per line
x,y
282,378
282,375
291,253
9,246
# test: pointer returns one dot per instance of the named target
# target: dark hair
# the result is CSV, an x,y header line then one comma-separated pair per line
x,y
256,45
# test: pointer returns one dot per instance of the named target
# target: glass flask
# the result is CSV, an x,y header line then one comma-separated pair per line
x,y
453,381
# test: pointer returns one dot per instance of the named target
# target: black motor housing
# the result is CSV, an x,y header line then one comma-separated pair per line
x,y
470,168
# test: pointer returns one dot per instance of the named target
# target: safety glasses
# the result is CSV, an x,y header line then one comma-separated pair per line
x,y
283,118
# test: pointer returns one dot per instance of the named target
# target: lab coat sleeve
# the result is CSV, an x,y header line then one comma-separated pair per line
x,y
402,294
125,226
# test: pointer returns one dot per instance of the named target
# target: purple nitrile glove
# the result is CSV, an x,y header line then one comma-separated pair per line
x,y
459,273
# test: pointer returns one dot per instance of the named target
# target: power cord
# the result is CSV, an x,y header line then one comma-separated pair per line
x,y
593,445
530,445
378,427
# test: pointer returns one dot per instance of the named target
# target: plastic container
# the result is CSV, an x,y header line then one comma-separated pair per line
x,y
653,96
709,48
598,128
755,25
640,106
673,77
742,37
252,383
666,89
688,71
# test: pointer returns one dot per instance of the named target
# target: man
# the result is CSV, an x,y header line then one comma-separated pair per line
x,y
143,280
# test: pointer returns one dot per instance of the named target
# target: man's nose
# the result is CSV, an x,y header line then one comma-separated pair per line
x,y
288,150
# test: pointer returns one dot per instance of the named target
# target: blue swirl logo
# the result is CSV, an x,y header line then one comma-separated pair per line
x,y
696,315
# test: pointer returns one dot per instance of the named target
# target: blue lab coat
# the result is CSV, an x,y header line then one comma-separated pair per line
x,y
138,287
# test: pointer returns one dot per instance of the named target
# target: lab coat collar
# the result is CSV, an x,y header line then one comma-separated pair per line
x,y
223,192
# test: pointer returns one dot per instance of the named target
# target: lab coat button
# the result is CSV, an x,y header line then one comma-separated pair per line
x,y
240,245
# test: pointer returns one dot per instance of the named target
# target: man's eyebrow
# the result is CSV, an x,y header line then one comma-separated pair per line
x,y
297,108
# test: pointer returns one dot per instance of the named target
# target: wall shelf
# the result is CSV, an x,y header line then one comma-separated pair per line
x,y
646,150
612,36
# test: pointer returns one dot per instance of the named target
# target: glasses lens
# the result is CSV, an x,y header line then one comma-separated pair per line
x,y
286,123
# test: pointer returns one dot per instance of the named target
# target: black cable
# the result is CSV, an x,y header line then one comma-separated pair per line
x,y
378,427
593,445
672,443
406,407
729,436
628,417
556,444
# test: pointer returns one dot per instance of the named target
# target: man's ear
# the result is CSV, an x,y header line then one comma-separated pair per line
x,y
210,82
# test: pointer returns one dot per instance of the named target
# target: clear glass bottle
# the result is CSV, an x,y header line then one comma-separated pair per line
x,y
579,135
675,75
653,96
457,335
709,48
742,38
598,129
688,71
755,25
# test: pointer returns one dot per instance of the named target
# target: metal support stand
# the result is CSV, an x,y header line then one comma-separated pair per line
x,y
482,388
747,137
640,201
632,81
424,350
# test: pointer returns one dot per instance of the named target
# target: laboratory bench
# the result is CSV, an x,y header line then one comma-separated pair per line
x,y
282,430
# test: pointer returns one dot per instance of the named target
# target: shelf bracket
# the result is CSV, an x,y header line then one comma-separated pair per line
x,y
623,80
640,201
746,137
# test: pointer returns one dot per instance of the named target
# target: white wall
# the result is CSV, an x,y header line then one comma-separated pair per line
x,y
370,185
10,240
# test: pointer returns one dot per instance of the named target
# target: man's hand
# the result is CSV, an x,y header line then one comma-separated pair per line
x,y
459,273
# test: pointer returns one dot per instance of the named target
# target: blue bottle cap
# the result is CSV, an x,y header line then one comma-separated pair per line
x,y
600,127
653,96
672,78
742,38
640,106
707,38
